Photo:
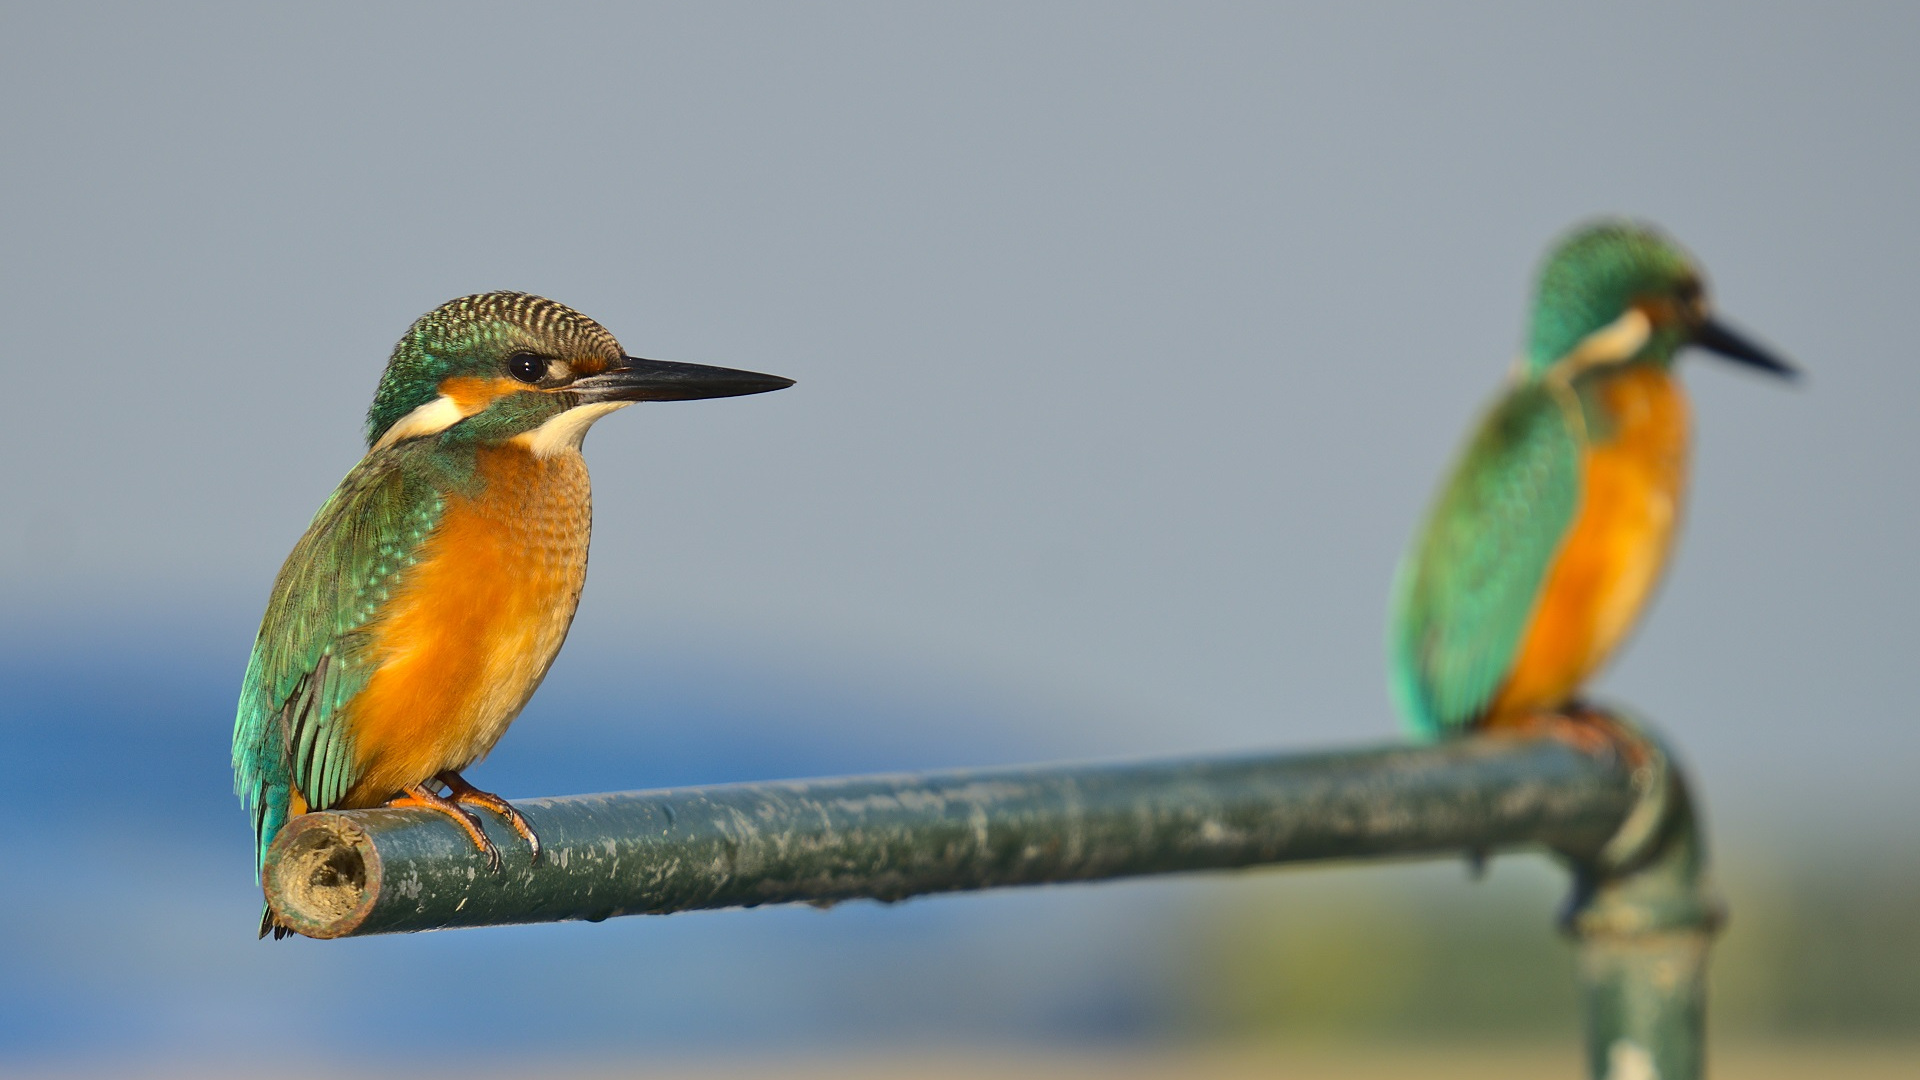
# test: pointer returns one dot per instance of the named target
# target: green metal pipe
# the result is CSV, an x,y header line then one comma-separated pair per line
x,y
1618,812
891,837
1644,916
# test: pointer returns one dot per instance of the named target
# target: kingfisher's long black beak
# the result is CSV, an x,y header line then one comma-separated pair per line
x,y
1716,337
664,380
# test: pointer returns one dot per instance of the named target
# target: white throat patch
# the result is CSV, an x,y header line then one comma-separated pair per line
x,y
1619,340
430,419
563,433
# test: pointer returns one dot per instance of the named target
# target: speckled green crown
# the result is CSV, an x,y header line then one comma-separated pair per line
x,y
469,336
1592,275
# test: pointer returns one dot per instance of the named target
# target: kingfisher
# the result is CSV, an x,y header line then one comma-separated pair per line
x,y
1550,534
434,587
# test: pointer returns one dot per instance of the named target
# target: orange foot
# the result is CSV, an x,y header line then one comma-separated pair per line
x,y
1624,740
422,796
459,791
1587,729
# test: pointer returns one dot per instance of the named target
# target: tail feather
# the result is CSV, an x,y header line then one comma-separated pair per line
x,y
273,807
270,813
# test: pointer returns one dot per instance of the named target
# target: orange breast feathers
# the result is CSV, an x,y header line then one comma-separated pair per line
x,y
463,646
1633,480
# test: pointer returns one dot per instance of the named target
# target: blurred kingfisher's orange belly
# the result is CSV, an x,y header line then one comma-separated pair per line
x,y
464,644
1632,482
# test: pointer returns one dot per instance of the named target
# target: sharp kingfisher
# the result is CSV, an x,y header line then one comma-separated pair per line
x,y
434,587
1549,536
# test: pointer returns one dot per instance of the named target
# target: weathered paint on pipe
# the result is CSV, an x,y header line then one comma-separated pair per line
x,y
892,837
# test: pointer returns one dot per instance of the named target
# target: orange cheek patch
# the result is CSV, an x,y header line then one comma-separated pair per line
x,y
473,395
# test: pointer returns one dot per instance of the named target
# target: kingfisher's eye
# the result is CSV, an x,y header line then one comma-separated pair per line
x,y
527,367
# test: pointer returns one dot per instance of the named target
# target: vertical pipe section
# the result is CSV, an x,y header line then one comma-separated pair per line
x,y
1644,917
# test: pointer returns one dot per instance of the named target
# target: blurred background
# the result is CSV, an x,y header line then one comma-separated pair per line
x,y
1130,343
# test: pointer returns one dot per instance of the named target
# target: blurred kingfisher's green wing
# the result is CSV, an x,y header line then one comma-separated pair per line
x,y
310,657
1465,592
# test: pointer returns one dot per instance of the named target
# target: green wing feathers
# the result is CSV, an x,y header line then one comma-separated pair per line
x,y
312,654
1466,590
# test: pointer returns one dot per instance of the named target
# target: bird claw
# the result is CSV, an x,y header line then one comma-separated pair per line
x,y
421,796
465,794
1593,730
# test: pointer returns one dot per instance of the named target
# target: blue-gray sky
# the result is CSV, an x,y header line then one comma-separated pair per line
x,y
1130,339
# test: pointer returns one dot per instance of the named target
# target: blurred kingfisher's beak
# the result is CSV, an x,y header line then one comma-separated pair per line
x,y
1715,337
663,380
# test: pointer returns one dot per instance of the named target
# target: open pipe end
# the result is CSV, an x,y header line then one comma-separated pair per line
x,y
322,876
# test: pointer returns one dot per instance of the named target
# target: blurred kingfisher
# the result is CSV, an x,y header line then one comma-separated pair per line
x,y
433,589
1549,536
